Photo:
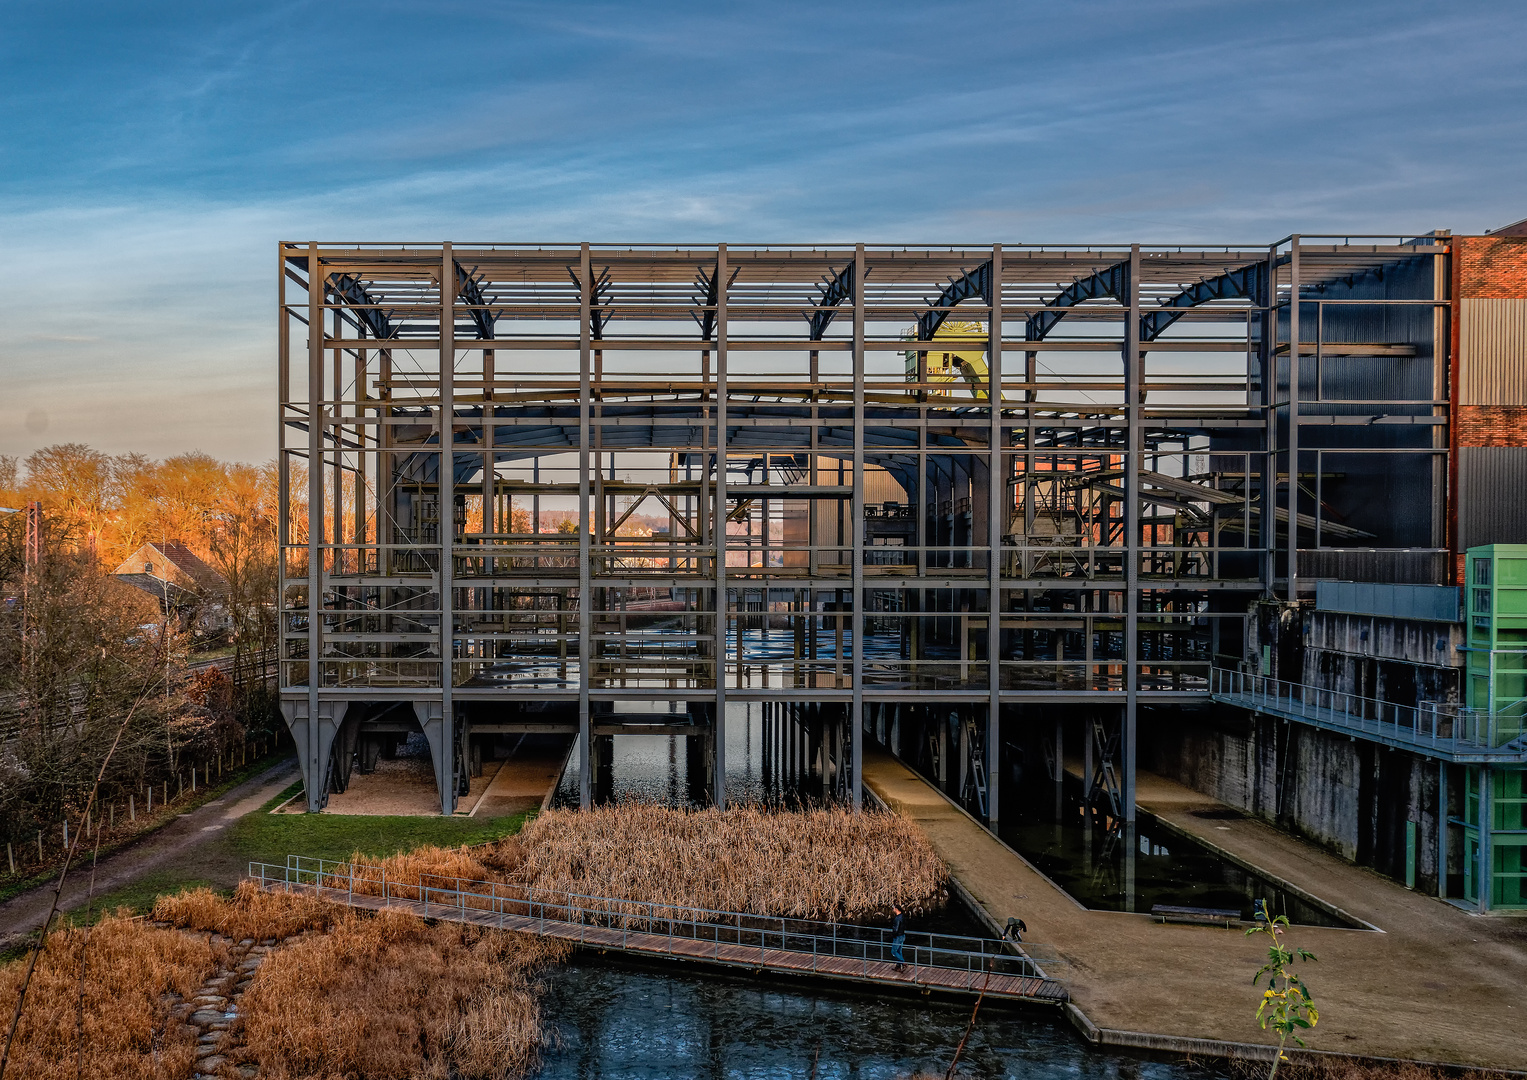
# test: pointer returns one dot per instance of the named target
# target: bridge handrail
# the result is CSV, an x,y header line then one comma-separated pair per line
x,y
1428,724
866,944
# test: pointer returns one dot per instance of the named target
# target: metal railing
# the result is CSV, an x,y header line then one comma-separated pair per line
x,y
1443,728
651,926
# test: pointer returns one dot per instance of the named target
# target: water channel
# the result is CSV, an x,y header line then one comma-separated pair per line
x,y
1135,867
614,1021
1149,864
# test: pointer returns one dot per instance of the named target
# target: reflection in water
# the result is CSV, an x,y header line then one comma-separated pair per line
x,y
656,768
613,1022
1133,868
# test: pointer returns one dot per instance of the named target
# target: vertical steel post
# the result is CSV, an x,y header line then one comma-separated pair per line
x,y
1484,878
856,717
445,500
1267,399
585,576
1133,462
1292,439
1442,830
316,416
996,483
284,462
719,740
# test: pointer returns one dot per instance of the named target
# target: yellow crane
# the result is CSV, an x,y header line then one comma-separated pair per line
x,y
946,364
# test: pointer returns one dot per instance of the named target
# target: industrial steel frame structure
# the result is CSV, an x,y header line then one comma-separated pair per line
x,y
1036,551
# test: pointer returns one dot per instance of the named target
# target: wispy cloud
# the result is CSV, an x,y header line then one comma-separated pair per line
x,y
150,157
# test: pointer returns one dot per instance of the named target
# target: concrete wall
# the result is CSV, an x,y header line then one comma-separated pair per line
x,y
1352,798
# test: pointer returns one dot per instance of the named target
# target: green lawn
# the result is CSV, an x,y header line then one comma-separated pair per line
x,y
266,837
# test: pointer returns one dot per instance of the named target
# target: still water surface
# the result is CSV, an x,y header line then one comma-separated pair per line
x,y
615,1022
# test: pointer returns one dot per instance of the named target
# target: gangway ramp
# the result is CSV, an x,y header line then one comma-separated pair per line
x,y
837,951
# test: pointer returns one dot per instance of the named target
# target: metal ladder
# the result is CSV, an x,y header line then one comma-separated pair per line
x,y
975,779
1105,778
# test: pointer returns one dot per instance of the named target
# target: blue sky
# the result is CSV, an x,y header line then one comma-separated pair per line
x,y
152,154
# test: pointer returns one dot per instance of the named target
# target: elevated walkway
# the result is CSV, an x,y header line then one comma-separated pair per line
x,y
1445,731
858,954
1437,984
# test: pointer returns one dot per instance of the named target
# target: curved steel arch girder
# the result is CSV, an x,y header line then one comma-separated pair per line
x,y
1110,281
470,289
884,445
362,306
837,287
1248,281
967,286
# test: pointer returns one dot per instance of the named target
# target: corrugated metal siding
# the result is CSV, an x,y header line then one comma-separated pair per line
x,y
1492,495
1374,564
1492,338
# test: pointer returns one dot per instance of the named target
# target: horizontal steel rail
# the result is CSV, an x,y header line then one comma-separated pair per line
x,y
1440,729
581,918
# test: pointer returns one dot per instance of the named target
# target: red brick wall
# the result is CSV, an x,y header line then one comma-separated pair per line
x,y
1490,425
1484,268
1490,267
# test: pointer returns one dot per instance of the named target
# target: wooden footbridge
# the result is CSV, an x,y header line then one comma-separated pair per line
x,y
838,951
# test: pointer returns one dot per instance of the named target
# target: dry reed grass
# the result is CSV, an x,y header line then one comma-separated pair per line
x,y
391,996
817,864
133,968
251,913
1318,1067
407,871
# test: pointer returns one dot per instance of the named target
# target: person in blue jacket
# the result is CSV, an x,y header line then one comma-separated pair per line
x,y
898,937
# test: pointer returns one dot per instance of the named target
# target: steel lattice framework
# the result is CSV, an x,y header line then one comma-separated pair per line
x,y
774,468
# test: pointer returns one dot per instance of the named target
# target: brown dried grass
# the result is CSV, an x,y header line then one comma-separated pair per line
x,y
391,996
408,870
251,913
128,1030
1319,1067
816,864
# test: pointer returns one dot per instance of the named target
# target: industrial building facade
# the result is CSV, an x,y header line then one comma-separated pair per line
x,y
995,508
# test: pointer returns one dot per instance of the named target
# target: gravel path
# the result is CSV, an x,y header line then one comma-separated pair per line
x,y
23,914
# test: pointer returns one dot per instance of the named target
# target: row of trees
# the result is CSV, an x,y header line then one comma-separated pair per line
x,y
82,654
116,503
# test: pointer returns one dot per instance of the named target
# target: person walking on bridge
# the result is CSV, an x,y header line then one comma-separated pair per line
x,y
898,937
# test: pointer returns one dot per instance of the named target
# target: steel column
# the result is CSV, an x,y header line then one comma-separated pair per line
x,y
585,574
1294,335
316,795
721,521
996,484
446,500
857,624
1134,454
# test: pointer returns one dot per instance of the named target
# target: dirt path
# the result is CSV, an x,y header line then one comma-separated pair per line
x,y
23,914
1438,984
